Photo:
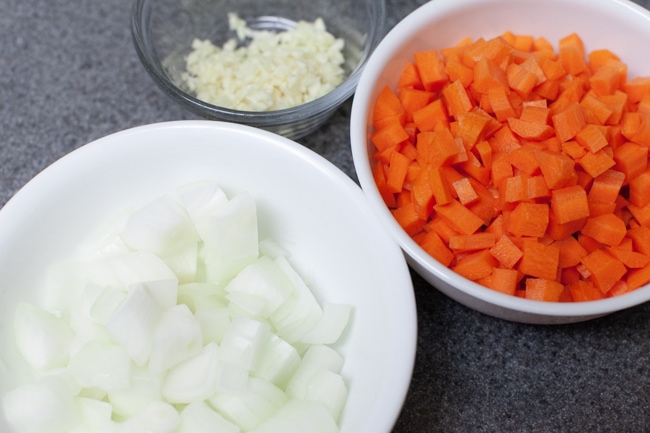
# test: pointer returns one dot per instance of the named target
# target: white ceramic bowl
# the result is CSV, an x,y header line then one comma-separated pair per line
x,y
304,202
619,25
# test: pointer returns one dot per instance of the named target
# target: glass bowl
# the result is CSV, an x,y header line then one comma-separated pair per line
x,y
163,31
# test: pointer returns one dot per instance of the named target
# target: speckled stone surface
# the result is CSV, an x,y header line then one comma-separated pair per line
x,y
69,75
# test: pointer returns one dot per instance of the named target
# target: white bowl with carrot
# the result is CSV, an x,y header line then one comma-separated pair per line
x,y
504,144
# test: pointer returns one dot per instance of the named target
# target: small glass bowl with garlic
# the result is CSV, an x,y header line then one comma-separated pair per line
x,y
283,66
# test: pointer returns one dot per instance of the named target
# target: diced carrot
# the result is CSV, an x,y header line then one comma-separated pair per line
x,y
504,140
571,252
640,189
530,130
520,79
485,205
513,189
422,194
465,191
617,103
488,75
475,266
607,229
631,159
506,252
569,121
599,58
504,280
536,188
641,214
569,204
379,175
535,112
552,68
485,153
472,126
539,260
390,135
413,100
588,243
592,137
387,108
501,168
606,187
432,69
631,259
459,217
408,218
637,88
582,291
473,242
594,110
410,77
607,78
397,170
619,288
573,149
597,163
500,104
528,219
572,54
431,117
640,239
605,270
638,277
456,70
439,186
523,170
434,245
457,99
539,289
558,169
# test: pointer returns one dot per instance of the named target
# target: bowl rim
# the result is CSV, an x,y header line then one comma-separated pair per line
x,y
323,104
403,31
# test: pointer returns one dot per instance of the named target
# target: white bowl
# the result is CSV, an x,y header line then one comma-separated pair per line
x,y
619,25
304,202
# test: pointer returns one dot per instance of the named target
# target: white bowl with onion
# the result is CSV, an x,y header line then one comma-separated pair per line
x,y
108,325
620,26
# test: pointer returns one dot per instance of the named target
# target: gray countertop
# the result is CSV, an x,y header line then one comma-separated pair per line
x,y
69,75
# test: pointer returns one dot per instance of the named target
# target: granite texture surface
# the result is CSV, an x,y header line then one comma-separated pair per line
x,y
69,75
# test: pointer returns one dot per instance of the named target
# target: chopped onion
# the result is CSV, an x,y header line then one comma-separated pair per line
x,y
144,388
278,362
263,284
316,358
45,406
95,414
157,417
42,338
194,379
101,364
243,341
176,338
330,326
198,417
188,324
249,407
161,227
230,241
299,416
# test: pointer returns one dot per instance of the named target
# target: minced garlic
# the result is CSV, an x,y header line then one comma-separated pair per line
x,y
272,72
